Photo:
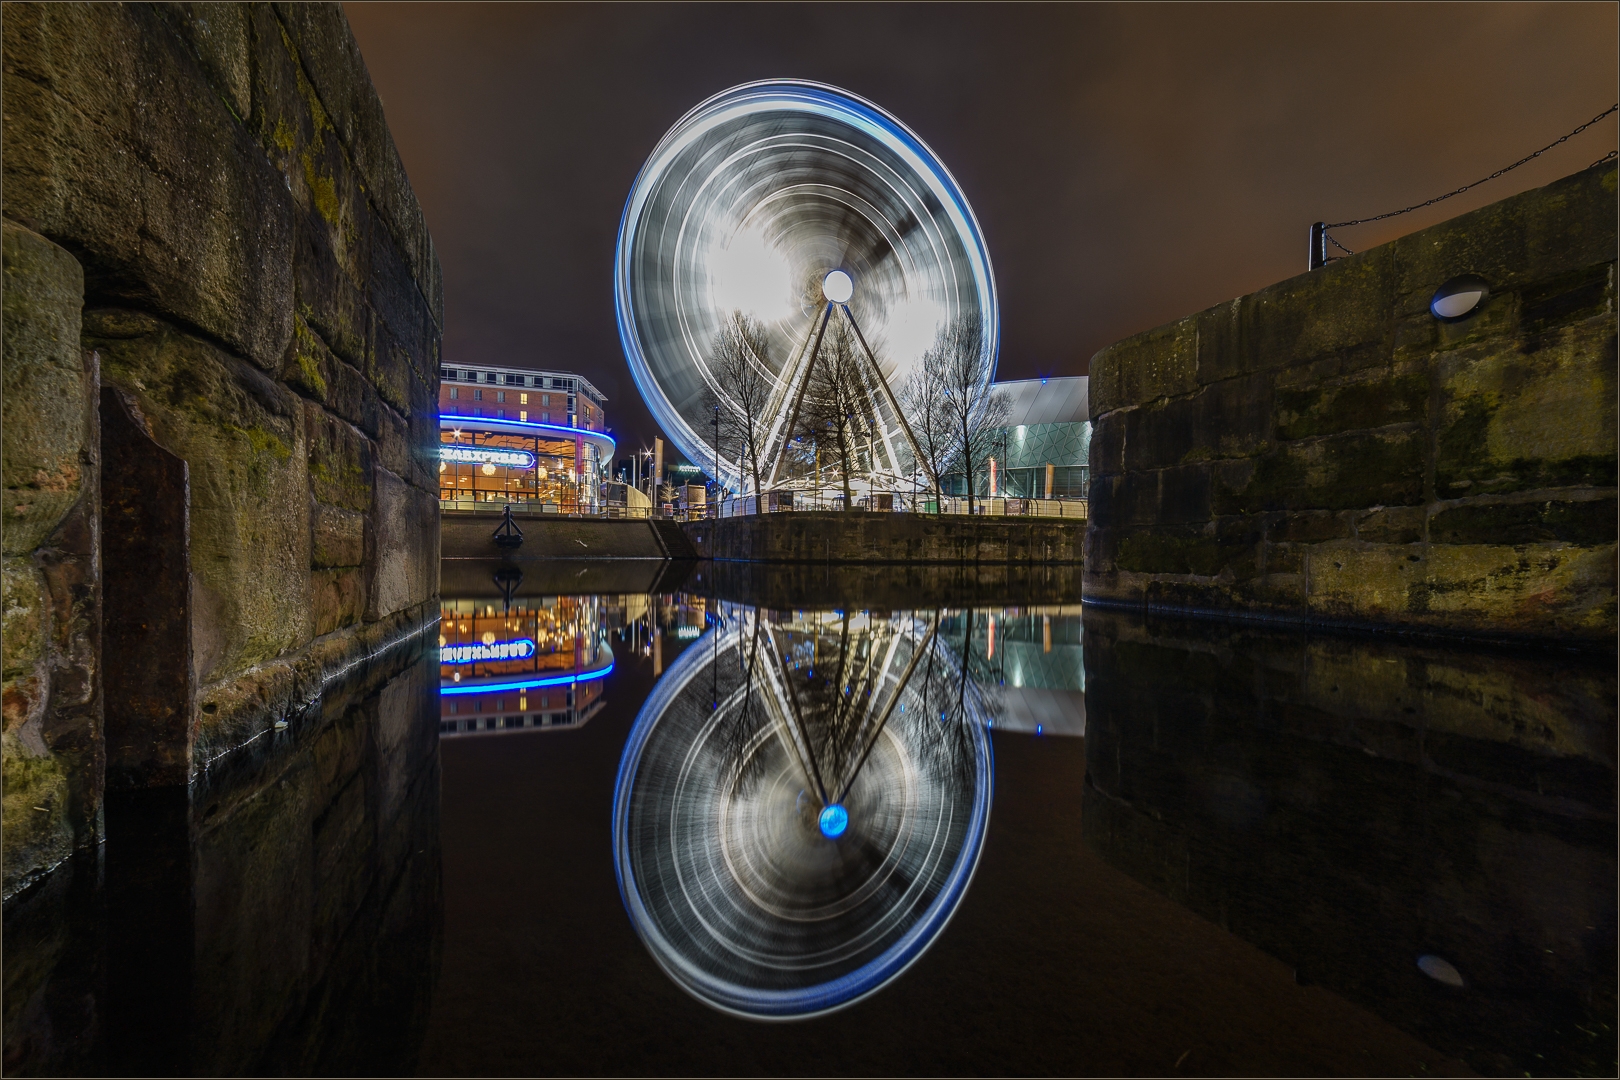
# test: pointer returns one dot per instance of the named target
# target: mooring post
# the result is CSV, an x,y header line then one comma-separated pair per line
x,y
1318,257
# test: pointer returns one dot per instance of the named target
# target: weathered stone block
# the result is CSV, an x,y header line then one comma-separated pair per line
x,y
1108,445
1310,526
1392,525
405,566
218,36
1585,523
244,438
332,61
1515,590
339,598
1159,363
106,107
44,393
339,537
329,299
1535,416
1185,494
1360,404
1341,472
1340,308
313,371
340,461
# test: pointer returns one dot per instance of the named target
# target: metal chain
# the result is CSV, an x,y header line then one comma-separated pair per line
x,y
1606,157
1476,183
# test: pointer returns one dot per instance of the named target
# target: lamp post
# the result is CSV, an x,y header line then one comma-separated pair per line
x,y
717,458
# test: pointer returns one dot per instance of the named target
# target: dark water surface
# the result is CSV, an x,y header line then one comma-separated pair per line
x,y
1077,842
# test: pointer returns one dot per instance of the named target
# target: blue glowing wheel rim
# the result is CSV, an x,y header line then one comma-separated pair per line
x,y
747,203
711,928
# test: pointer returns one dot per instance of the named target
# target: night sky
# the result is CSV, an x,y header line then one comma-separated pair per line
x,y
1128,164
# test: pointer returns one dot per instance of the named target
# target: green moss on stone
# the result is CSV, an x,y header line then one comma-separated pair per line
x,y
1359,406
1589,523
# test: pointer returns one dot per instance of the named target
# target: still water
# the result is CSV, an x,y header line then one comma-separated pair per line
x,y
789,827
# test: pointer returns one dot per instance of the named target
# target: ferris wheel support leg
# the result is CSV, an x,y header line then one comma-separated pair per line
x,y
905,677
888,394
798,398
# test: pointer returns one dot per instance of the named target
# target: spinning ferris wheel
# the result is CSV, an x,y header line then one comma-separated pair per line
x,y
795,204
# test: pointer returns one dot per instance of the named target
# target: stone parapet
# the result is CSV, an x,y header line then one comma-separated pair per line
x,y
206,217
1328,450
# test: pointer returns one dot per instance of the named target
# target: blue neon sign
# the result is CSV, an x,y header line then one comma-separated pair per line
x,y
473,652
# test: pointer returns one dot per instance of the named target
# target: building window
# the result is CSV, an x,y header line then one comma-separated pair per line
x,y
545,399
500,395
446,373
523,399
453,393
478,395
523,414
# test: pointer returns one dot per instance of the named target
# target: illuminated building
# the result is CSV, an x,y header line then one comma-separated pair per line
x,y
539,664
1043,450
537,439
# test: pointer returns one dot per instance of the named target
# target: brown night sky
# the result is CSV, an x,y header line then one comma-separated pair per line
x,y
1129,164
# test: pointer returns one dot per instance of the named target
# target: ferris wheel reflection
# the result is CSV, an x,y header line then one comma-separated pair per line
x,y
801,805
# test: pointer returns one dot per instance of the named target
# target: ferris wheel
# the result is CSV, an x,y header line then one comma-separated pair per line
x,y
810,211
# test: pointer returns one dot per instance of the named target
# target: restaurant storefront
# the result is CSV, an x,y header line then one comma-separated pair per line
x,y
541,467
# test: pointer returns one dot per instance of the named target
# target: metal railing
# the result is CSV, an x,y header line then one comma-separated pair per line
x,y
899,502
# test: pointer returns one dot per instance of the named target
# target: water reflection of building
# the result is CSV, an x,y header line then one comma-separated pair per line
x,y
1030,660
537,439
538,664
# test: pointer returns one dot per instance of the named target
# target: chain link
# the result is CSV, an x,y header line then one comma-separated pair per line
x,y
1476,183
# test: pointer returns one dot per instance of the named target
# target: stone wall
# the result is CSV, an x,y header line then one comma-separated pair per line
x,y
861,537
1328,450
211,242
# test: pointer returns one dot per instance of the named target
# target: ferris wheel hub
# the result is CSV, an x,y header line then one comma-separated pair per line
x,y
837,287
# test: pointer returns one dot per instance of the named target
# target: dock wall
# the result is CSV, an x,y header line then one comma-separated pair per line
x,y
223,317
1326,450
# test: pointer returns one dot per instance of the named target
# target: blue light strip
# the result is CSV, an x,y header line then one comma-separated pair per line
x,y
527,684
570,431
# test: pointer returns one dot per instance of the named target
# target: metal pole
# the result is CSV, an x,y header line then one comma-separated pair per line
x,y
1318,257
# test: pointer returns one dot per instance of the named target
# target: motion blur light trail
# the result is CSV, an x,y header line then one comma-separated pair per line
x,y
772,199
796,846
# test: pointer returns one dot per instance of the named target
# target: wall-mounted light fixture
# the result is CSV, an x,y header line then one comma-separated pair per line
x,y
1459,297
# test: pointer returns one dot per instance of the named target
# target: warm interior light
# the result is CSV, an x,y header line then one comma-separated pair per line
x,y
837,287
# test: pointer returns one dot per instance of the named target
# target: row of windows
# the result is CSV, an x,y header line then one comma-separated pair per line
x,y
506,723
506,379
500,395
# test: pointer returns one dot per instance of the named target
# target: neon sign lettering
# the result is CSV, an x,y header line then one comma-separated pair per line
x,y
472,653
486,455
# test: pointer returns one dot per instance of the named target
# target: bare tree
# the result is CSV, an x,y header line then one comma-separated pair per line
x,y
836,406
922,396
973,413
739,361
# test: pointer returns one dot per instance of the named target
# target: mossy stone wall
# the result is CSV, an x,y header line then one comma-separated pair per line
x,y
205,211
1328,450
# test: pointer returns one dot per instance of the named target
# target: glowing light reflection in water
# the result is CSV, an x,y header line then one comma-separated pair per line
x,y
800,807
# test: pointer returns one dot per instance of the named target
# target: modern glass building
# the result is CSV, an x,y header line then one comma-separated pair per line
x,y
1044,450
536,439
